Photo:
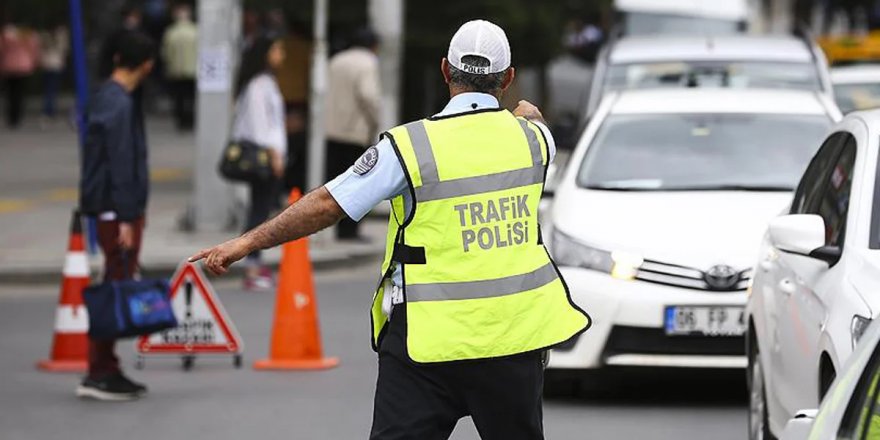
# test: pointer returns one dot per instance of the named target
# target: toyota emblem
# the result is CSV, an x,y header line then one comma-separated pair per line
x,y
721,277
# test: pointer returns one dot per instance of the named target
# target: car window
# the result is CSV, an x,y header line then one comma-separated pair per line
x,y
814,176
874,241
645,23
701,152
851,97
862,405
861,420
733,74
833,204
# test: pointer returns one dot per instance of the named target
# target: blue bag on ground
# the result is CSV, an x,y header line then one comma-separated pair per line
x,y
123,309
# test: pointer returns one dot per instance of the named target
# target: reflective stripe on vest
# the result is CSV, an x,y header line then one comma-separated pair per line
x,y
482,289
433,189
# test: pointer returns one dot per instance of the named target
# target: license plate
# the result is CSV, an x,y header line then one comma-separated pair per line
x,y
705,320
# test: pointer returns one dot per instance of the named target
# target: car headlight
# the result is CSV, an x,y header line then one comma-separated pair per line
x,y
569,252
858,327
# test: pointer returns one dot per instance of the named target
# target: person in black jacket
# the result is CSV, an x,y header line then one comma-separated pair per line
x,y
114,186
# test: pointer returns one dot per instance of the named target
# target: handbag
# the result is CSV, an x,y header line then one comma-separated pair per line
x,y
128,308
245,161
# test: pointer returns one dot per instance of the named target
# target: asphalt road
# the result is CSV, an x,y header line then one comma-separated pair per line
x,y
216,401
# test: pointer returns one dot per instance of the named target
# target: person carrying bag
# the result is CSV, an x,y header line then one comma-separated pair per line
x,y
256,154
126,308
113,189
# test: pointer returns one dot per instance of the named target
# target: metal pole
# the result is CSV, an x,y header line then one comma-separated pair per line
x,y
212,205
316,99
81,82
386,18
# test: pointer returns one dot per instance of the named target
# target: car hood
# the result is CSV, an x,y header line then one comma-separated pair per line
x,y
696,229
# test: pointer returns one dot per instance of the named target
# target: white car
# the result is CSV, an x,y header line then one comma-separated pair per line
x,y
742,61
814,292
856,87
852,410
642,17
659,214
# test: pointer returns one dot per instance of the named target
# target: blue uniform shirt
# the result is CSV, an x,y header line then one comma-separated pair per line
x,y
357,194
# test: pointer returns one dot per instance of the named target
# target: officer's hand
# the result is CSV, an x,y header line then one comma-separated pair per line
x,y
219,258
526,109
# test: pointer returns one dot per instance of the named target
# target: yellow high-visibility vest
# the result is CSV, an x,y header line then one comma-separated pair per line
x,y
477,280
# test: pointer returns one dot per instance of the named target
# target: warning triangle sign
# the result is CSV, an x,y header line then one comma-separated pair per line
x,y
203,324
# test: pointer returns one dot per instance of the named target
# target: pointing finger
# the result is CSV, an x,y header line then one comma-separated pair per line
x,y
202,254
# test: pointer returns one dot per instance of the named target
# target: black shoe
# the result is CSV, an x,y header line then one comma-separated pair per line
x,y
138,388
111,387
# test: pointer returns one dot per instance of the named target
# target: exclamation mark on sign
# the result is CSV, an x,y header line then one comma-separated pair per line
x,y
187,327
189,296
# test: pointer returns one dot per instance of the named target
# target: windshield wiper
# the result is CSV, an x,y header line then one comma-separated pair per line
x,y
756,188
753,188
620,188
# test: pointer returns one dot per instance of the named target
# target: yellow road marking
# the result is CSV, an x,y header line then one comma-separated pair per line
x,y
64,195
167,174
13,205
70,194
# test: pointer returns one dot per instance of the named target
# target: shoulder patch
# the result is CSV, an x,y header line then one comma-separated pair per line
x,y
366,162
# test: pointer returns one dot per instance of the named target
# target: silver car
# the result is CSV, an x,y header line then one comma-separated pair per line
x,y
735,61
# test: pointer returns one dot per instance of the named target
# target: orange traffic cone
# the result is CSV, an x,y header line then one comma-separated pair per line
x,y
296,342
70,345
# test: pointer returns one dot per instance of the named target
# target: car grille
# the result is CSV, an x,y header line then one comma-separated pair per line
x,y
641,340
687,277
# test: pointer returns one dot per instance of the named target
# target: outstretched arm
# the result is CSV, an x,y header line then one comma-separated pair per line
x,y
314,212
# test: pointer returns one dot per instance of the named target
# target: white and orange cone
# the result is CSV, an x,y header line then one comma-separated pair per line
x,y
70,344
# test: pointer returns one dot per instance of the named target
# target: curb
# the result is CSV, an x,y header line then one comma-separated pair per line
x,y
52,275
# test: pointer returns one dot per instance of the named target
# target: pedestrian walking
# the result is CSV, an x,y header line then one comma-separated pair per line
x,y
19,54
54,46
469,299
180,52
259,119
114,185
353,107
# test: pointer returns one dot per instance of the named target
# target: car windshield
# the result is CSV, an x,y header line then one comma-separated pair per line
x,y
852,97
734,74
645,23
701,152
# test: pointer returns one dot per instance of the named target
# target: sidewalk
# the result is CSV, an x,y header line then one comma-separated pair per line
x,y
38,179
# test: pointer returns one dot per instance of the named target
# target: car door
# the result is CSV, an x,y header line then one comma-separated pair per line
x,y
803,303
784,341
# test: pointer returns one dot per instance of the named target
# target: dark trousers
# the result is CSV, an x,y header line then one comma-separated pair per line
x,y
184,96
264,198
14,99
340,156
424,402
51,84
102,354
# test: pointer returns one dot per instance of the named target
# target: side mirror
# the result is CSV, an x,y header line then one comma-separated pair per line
x,y
803,234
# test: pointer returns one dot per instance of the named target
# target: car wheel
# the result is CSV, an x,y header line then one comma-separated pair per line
x,y
759,428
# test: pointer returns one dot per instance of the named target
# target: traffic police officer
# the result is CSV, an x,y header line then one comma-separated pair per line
x,y
469,299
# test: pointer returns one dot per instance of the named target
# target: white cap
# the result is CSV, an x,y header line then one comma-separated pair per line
x,y
483,39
